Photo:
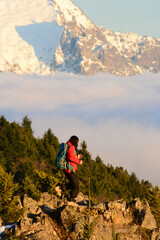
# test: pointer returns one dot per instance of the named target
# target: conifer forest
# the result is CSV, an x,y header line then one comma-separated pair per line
x,y
27,167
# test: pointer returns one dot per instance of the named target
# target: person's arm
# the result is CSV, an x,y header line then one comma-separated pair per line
x,y
71,155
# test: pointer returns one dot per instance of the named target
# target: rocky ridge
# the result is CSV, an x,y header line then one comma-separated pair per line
x,y
59,37
88,49
54,219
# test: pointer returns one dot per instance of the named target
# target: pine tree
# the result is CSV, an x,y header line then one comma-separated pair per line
x,y
8,203
86,156
135,187
27,124
153,198
84,169
49,147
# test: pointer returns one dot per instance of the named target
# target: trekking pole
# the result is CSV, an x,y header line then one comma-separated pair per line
x,y
89,195
89,192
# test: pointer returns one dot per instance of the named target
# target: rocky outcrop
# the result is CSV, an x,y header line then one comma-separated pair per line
x,y
52,218
89,49
156,234
143,215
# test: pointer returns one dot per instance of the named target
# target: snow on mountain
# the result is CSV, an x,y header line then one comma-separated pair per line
x,y
29,35
54,35
68,12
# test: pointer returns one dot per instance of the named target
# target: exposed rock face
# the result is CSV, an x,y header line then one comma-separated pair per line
x,y
156,234
88,49
143,214
55,219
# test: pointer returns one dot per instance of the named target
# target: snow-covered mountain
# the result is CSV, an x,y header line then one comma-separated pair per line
x,y
54,35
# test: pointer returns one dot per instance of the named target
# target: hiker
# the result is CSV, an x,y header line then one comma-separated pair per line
x,y
73,158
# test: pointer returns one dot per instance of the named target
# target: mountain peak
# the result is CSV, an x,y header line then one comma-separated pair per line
x,y
55,35
68,12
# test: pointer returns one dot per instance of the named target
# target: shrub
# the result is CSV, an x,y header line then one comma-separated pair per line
x,y
8,203
30,188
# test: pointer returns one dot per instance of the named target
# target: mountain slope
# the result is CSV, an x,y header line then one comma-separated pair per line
x,y
29,35
55,35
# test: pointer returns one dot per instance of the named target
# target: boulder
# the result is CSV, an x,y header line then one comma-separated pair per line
x,y
155,234
81,197
30,205
101,206
118,204
143,215
49,200
38,226
115,216
118,213
58,191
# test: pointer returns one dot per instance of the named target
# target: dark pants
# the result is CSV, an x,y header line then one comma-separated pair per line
x,y
73,183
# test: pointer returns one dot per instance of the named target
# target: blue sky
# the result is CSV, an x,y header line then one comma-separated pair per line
x,y
138,16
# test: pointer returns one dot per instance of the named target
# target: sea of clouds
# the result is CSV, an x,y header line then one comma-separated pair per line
x,y
118,117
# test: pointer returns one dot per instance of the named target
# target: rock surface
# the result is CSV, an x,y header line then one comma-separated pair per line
x,y
51,218
143,214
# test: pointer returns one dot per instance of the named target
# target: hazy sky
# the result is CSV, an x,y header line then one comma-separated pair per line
x,y
138,16
119,118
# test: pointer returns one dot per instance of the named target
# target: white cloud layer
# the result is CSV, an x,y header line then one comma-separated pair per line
x,y
118,117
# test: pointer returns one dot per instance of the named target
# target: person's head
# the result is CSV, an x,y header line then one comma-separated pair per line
x,y
74,140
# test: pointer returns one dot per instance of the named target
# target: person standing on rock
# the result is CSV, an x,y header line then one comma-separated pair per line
x,y
73,158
